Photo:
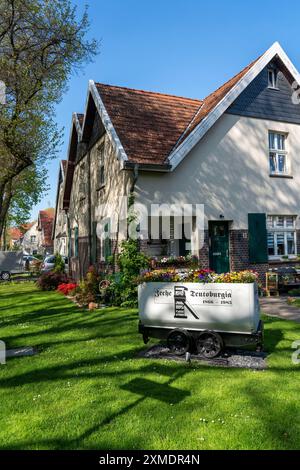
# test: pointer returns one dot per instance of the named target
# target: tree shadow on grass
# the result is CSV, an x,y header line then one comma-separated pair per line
x,y
144,388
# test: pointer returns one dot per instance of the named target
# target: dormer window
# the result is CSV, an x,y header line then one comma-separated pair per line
x,y
272,79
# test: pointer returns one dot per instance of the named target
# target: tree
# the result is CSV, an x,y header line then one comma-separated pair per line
x,y
41,43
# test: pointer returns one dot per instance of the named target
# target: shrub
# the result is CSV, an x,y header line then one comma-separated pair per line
x,y
87,290
59,264
83,294
294,292
67,289
51,280
123,287
35,267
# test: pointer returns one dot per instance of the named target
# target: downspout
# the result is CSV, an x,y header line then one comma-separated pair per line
x,y
89,209
68,240
135,173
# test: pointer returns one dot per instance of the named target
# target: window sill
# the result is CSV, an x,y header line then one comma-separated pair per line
x,y
281,260
278,175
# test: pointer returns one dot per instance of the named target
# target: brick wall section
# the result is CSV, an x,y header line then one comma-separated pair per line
x,y
204,252
298,241
239,250
239,254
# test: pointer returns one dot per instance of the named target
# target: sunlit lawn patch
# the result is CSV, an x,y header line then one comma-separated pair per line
x,y
87,389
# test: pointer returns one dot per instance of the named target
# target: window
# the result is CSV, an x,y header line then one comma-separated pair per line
x,y
100,152
33,239
281,235
272,78
278,154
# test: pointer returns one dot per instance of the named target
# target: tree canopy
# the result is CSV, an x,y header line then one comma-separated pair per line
x,y
41,43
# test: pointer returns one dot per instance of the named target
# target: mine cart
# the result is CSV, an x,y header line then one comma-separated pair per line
x,y
202,317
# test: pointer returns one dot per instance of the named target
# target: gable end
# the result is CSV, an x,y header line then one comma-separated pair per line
x,y
260,101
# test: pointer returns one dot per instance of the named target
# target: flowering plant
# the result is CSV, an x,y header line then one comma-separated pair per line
x,y
242,277
67,288
198,276
176,260
160,275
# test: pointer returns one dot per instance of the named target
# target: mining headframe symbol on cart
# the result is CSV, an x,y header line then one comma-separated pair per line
x,y
181,303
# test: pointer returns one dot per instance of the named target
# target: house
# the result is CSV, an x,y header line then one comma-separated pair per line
x,y
237,152
45,227
31,240
14,237
60,224
37,239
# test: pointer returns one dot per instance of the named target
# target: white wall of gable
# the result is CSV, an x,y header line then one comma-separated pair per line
x,y
228,172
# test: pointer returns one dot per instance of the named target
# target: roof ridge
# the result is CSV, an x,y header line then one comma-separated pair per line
x,y
150,92
249,66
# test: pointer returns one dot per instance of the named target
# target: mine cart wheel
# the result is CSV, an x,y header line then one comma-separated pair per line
x,y
178,342
209,344
5,276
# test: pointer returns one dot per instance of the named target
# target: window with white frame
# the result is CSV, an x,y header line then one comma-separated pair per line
x,y
272,78
281,235
278,154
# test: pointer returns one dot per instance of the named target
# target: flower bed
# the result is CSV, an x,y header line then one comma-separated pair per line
x,y
198,275
67,288
175,261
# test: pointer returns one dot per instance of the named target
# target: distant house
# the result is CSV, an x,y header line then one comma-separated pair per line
x,y
45,227
237,151
37,239
14,237
31,241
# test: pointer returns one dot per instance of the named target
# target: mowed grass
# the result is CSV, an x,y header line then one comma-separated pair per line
x,y
86,389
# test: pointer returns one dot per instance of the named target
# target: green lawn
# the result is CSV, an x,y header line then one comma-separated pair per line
x,y
86,389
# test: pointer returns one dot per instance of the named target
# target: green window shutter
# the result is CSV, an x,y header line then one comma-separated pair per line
x,y
94,242
107,242
258,240
76,242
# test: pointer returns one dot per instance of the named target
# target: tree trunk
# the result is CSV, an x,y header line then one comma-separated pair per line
x,y
5,199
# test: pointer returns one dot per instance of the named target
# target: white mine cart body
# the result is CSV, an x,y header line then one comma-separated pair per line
x,y
231,312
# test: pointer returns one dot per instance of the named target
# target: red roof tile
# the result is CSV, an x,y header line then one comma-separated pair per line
x,y
212,100
15,233
148,124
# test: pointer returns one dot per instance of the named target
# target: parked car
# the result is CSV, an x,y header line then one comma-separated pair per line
x,y
49,263
29,259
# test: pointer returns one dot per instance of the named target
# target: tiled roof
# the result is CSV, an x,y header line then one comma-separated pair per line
x,y
148,124
15,233
211,101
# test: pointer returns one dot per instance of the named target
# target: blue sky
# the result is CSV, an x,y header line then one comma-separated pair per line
x,y
186,48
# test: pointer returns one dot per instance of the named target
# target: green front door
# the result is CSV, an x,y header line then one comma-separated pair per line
x,y
219,246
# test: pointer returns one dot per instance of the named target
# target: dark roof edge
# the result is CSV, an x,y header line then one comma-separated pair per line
x,y
127,165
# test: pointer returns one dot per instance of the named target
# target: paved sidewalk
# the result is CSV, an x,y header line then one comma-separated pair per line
x,y
278,307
